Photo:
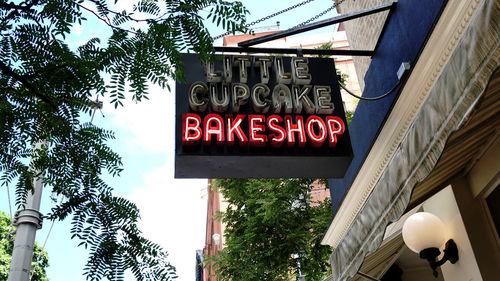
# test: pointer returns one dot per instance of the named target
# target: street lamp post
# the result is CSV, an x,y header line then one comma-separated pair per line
x,y
301,277
27,221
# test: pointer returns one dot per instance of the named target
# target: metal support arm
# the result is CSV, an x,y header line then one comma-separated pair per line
x,y
295,51
319,24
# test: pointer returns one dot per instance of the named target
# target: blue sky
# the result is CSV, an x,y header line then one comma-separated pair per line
x,y
173,211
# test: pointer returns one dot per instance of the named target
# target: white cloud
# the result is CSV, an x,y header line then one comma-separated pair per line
x,y
173,215
122,5
150,122
140,25
173,211
77,29
89,6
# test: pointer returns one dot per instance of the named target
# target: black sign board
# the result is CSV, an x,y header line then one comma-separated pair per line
x,y
260,117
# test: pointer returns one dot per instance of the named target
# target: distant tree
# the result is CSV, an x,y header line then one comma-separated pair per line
x,y
48,91
7,235
273,230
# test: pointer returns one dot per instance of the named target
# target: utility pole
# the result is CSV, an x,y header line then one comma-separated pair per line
x,y
27,221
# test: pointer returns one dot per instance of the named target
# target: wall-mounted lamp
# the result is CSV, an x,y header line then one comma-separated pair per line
x,y
424,233
216,238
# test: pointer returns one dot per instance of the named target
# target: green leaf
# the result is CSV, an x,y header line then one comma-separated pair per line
x,y
48,91
268,221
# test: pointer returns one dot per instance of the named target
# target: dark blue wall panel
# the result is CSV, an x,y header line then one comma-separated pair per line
x,y
405,35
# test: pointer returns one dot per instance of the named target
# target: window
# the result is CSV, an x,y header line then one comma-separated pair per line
x,y
493,203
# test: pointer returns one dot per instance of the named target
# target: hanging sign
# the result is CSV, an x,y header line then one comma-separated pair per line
x,y
260,117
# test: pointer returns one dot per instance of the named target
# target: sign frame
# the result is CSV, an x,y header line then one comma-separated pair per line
x,y
223,160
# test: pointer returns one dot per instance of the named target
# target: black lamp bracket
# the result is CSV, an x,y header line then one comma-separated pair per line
x,y
431,254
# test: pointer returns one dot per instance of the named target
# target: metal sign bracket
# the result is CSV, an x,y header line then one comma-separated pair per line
x,y
245,46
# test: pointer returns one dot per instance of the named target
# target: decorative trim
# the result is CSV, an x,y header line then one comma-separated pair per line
x,y
450,28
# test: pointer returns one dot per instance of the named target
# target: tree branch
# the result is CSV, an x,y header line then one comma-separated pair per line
x,y
108,21
5,90
12,6
8,71
16,10
10,16
48,69
159,18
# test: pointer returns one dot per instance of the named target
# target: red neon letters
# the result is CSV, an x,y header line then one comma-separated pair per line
x,y
316,131
234,127
278,134
274,130
191,131
256,128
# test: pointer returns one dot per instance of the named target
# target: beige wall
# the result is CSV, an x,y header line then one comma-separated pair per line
x,y
362,33
482,175
444,205
346,66
470,191
420,274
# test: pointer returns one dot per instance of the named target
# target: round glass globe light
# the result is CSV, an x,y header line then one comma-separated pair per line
x,y
216,238
423,230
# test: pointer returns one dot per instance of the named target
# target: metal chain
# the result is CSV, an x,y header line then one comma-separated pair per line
x,y
318,15
267,17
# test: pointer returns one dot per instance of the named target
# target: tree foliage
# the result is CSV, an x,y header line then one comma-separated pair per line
x,y
7,236
47,90
273,229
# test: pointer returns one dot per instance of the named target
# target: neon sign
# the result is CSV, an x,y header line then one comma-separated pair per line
x,y
242,110
315,129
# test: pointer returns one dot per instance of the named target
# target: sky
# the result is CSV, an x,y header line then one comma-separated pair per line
x,y
173,211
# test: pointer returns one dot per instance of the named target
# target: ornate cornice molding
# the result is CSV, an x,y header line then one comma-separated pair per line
x,y
450,28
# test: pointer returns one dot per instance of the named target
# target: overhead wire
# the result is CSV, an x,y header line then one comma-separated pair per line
x,y
402,73
45,241
374,98
335,4
267,17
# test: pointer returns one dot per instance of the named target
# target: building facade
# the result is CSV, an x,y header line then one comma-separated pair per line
x,y
433,146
